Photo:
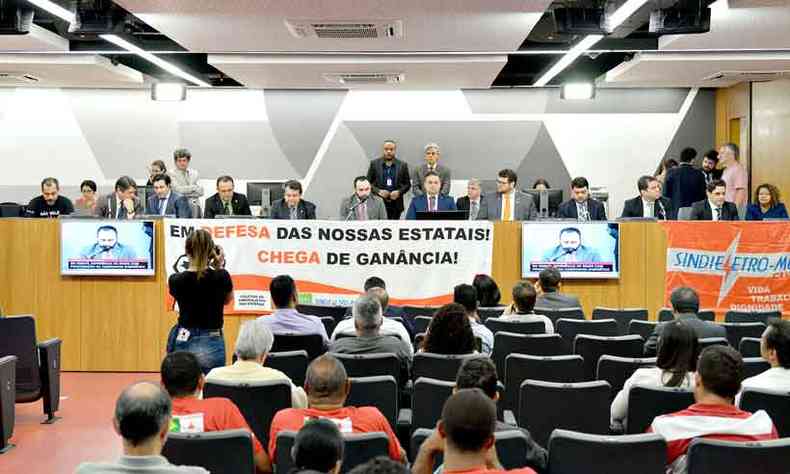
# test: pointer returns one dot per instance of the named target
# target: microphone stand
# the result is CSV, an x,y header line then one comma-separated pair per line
x,y
354,207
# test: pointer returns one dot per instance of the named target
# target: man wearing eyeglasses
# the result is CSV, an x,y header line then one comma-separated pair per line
x,y
509,204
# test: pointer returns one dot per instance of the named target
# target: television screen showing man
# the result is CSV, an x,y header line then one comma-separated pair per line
x,y
583,250
90,247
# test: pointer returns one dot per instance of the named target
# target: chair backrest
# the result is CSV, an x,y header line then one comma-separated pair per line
x,y
18,338
570,328
358,448
511,447
502,325
642,328
421,324
490,312
247,397
751,316
754,366
555,314
519,367
616,370
749,347
591,348
666,314
312,343
545,406
438,366
379,391
571,452
329,324
646,403
775,403
707,315
427,401
684,213
712,341
335,312
371,365
291,363
506,343
219,452
737,331
10,209
7,399
622,316
415,311
709,456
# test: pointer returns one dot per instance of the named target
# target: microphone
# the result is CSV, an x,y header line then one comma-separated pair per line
x,y
663,211
355,206
564,253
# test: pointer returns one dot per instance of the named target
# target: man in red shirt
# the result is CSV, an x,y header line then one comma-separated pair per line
x,y
327,387
465,435
183,380
714,416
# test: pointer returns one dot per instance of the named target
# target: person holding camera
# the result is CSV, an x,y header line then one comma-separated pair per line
x,y
201,291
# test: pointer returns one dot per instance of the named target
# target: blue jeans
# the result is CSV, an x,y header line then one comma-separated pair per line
x,y
207,344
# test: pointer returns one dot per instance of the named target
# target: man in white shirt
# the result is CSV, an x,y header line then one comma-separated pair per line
x,y
389,327
466,296
522,309
775,348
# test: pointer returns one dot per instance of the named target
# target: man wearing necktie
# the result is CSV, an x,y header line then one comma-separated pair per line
x,y
226,201
121,204
292,206
431,165
432,200
165,201
581,206
508,204
474,202
363,205
715,207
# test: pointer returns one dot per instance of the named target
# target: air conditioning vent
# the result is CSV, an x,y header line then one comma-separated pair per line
x,y
354,78
748,76
347,29
8,78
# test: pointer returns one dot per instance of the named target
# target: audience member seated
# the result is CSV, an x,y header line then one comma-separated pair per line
x,y
380,465
431,165
285,319
713,416
186,180
550,281
581,206
685,184
142,418
714,208
522,309
327,387
449,332
226,202
375,286
678,351
252,347
466,296
156,168
369,340
183,380
685,306
709,162
541,184
50,203
432,200
318,447
766,204
473,202
465,435
292,206
775,348
488,295
649,203
165,201
122,203
87,201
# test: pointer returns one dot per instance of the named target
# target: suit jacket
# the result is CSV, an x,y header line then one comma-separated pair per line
x,y
701,328
684,186
304,210
420,203
107,206
378,181
374,204
463,204
567,210
177,205
633,208
554,300
715,174
523,207
701,211
419,175
239,204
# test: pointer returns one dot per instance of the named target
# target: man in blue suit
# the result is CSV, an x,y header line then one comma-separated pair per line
x,y
430,201
165,201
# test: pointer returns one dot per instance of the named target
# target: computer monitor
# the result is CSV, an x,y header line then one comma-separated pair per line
x,y
547,201
143,192
256,189
442,215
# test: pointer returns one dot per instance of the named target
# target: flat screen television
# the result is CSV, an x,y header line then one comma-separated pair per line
x,y
578,250
92,247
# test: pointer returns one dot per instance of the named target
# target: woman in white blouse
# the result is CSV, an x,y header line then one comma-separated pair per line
x,y
678,350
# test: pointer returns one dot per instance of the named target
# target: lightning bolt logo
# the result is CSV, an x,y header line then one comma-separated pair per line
x,y
730,277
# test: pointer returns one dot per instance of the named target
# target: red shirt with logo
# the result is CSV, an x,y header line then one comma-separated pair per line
x,y
218,414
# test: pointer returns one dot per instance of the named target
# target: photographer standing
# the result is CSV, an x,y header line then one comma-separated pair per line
x,y
201,292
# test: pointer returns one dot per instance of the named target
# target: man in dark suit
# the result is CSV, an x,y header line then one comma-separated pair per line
x,y
709,162
432,200
509,204
389,178
649,203
714,208
581,206
226,202
685,184
166,202
473,202
685,305
292,206
121,204
431,164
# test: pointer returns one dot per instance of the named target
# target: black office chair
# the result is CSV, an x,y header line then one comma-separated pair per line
x,y
37,365
593,347
421,324
737,331
248,396
712,341
415,311
751,316
775,403
646,403
7,400
335,312
556,314
219,452
358,448
11,209
749,347
329,324
570,328
642,328
571,452
438,366
518,327
709,456
754,366
666,314
490,312
511,447
622,316
379,391
312,343
545,406
371,365
519,367
616,370
291,363
427,402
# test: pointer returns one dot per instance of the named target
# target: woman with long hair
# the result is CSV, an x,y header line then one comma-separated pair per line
x,y
450,332
488,294
766,204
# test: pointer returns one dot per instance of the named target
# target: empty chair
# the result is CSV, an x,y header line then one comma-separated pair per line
x,y
712,341
438,366
11,209
754,366
37,365
622,316
380,392
751,316
427,401
358,448
506,343
490,312
616,370
519,367
511,447
415,311
291,363
570,328
219,452
519,327
709,456
684,213
737,331
642,328
421,324
749,347
544,406
557,314
646,403
329,324
371,365
312,343
247,397
7,400
335,312
666,314
572,453
775,403
591,348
